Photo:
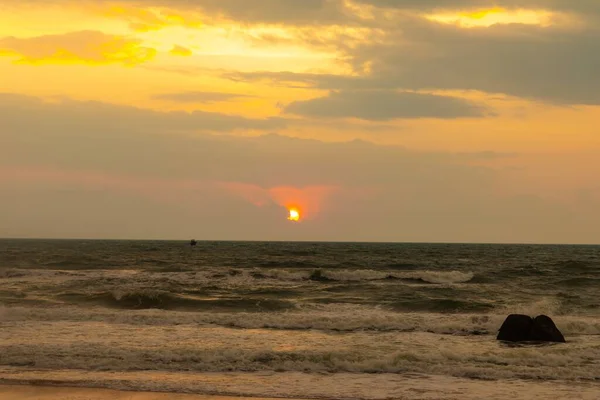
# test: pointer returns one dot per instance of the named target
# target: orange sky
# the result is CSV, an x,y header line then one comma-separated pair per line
x,y
350,110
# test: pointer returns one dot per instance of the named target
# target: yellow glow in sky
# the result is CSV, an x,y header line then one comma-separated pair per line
x,y
495,16
82,55
150,19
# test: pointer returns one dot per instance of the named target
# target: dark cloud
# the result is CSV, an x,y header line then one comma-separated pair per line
x,y
276,11
430,5
382,105
579,6
525,61
305,12
548,64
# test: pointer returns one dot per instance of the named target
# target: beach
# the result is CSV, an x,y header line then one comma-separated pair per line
x,y
411,389
14,392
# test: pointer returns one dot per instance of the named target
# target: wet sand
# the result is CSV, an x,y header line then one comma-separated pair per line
x,y
29,392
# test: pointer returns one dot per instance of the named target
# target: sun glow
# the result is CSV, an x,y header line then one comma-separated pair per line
x,y
294,215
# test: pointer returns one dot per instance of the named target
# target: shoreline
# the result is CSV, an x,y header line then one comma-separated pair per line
x,y
18,391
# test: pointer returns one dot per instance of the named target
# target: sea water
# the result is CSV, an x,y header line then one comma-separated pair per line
x,y
303,320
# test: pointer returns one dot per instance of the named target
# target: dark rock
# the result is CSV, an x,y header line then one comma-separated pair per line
x,y
523,328
193,242
544,330
516,328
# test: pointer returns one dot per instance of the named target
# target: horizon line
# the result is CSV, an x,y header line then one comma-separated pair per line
x,y
300,241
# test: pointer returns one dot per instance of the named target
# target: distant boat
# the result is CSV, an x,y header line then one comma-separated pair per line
x,y
193,242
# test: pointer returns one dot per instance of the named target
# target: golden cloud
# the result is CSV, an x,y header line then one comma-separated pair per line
x,y
151,19
495,16
180,51
83,47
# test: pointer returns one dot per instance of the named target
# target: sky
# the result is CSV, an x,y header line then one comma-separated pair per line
x,y
369,120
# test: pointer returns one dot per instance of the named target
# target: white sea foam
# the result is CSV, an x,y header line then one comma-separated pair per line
x,y
544,305
331,317
115,347
442,276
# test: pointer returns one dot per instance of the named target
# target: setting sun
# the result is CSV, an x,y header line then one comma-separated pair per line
x,y
294,215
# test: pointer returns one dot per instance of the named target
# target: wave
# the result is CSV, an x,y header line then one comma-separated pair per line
x,y
11,273
442,305
322,317
580,282
358,275
545,305
402,266
303,263
178,273
291,263
80,262
154,299
549,362
576,265
443,276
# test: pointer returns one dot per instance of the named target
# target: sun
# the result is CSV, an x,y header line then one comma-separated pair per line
x,y
294,215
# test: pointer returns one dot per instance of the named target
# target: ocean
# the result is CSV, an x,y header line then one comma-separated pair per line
x,y
298,320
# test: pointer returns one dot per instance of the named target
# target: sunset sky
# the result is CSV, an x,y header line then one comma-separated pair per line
x,y
376,120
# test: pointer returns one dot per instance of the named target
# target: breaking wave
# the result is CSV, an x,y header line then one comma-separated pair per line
x,y
153,299
358,275
329,317
533,362
442,305
318,274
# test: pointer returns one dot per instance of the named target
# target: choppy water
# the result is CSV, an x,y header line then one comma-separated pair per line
x,y
315,320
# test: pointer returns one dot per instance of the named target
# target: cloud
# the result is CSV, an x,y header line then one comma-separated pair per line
x,y
144,20
80,169
95,118
382,105
115,139
342,12
155,188
199,97
180,51
525,61
283,78
551,65
268,11
579,6
87,47
155,14
555,63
